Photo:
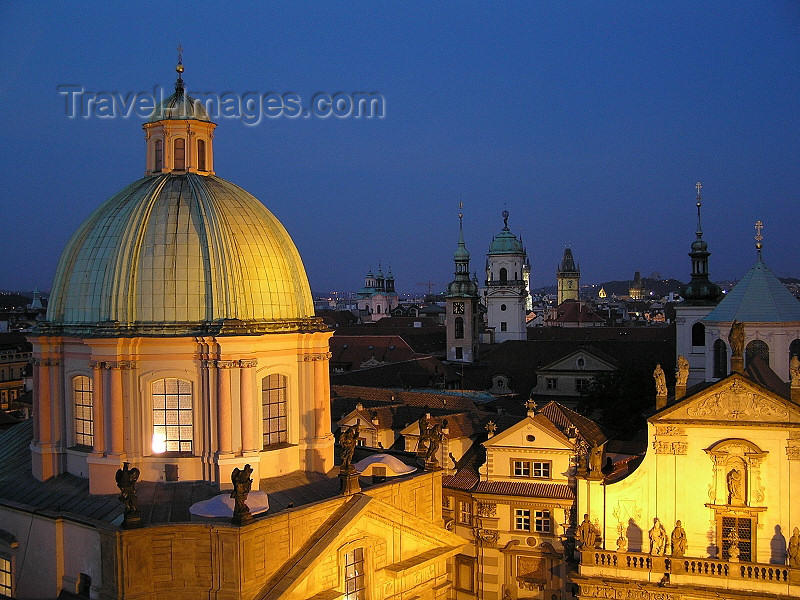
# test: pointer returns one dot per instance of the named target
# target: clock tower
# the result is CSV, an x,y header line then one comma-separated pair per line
x,y
569,277
461,319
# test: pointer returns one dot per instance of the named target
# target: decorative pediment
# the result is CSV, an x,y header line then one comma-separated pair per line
x,y
734,399
531,432
582,359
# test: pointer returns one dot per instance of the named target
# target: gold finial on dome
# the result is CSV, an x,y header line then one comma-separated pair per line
x,y
759,237
179,70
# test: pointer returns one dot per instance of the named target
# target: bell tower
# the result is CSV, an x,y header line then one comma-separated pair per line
x,y
461,317
569,277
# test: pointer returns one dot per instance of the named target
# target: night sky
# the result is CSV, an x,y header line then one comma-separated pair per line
x,y
589,121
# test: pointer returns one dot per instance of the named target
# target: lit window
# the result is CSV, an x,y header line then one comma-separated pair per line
x,y
354,583
172,416
6,586
201,155
82,396
522,519
159,162
541,521
179,160
465,513
522,468
273,407
541,470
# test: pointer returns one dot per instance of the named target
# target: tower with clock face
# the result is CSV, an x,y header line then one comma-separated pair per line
x,y
461,320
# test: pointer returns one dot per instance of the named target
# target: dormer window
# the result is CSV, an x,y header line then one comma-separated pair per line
x,y
159,158
180,154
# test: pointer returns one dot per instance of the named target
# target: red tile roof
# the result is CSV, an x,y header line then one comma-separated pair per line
x,y
559,491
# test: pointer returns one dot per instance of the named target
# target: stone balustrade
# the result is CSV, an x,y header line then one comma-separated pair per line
x,y
637,566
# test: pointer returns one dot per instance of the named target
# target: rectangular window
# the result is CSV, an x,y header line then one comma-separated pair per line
x,y
739,531
5,576
354,583
273,406
522,519
459,353
503,326
446,501
541,521
522,468
82,396
465,513
201,155
172,416
581,385
551,383
465,573
179,160
541,470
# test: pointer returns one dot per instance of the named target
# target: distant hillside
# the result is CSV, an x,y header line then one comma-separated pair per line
x,y
659,287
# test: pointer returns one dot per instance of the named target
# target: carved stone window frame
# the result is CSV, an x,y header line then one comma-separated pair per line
x,y
725,453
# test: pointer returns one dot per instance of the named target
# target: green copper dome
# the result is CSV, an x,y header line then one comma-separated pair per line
x,y
175,253
505,242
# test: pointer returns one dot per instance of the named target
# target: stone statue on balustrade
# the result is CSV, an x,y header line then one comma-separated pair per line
x,y
586,535
679,541
682,372
242,484
126,482
793,549
658,538
661,382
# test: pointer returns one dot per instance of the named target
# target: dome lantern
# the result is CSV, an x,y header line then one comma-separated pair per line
x,y
179,134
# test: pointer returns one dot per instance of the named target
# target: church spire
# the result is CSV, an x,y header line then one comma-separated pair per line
x,y
700,289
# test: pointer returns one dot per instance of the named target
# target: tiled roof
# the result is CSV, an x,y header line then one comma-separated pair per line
x,y
69,494
759,297
559,491
562,417
465,480
572,311
454,400
352,351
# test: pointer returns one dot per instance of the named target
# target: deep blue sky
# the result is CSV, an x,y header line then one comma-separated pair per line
x,y
590,121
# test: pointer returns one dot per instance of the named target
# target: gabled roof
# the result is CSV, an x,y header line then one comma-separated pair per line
x,y
562,417
759,297
573,311
539,421
601,356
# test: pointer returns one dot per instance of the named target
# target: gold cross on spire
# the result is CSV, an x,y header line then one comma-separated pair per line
x,y
180,54
759,237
